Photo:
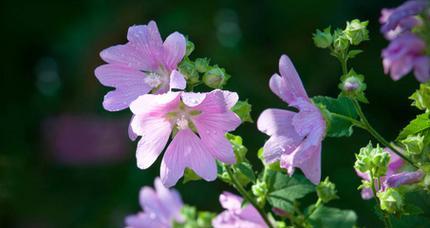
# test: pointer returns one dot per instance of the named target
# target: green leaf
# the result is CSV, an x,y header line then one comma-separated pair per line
x,y
333,218
421,97
246,169
353,53
342,105
243,110
418,125
284,190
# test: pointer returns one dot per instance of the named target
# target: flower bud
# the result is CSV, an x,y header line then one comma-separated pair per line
x,y
326,191
340,41
352,85
189,48
188,70
391,200
215,78
202,65
414,144
374,160
356,31
323,39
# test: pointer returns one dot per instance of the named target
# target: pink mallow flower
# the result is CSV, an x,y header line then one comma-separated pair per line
x,y
402,17
295,136
161,207
199,122
404,25
236,216
404,54
144,64
393,178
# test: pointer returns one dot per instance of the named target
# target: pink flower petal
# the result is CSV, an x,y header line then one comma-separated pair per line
x,y
155,132
174,50
311,166
218,122
191,99
230,201
217,144
218,101
147,40
129,85
177,80
170,199
125,55
131,135
186,150
276,121
155,104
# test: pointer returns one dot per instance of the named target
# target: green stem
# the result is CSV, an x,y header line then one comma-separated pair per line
x,y
347,118
314,208
246,195
376,135
386,219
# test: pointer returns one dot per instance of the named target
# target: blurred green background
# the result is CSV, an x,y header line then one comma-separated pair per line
x,y
66,162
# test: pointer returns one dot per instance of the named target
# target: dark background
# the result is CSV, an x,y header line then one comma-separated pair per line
x,y
66,162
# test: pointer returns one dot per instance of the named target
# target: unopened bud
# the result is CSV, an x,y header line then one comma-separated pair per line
x,y
202,65
391,200
356,31
215,78
326,191
373,160
323,39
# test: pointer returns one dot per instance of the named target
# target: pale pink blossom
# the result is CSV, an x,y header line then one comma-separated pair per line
x,y
144,64
295,137
199,122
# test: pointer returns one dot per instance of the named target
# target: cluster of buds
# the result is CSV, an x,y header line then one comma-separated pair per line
x,y
372,160
339,41
200,71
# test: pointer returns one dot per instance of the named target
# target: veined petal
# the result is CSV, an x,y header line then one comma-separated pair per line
x,y
289,86
279,145
129,85
155,132
126,55
216,142
276,121
218,101
143,220
192,99
177,80
219,123
422,68
155,104
131,135
149,202
147,40
186,150
174,50
311,167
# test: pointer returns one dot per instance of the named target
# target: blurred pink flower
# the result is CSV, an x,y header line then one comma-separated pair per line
x,y
235,215
199,122
85,140
404,54
144,64
402,16
295,136
160,208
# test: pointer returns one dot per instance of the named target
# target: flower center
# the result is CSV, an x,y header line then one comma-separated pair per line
x,y
153,79
182,122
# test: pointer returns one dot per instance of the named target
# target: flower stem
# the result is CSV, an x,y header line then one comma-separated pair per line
x,y
246,195
375,134
386,218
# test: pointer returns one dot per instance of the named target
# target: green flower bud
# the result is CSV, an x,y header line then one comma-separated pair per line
x,y
340,41
243,110
414,144
189,48
189,71
202,65
391,200
326,191
323,39
352,85
356,31
373,160
215,78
